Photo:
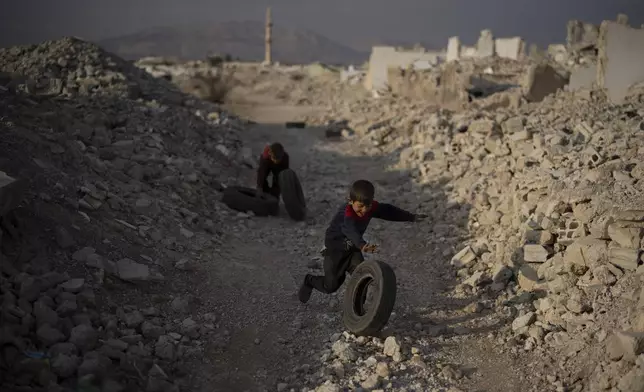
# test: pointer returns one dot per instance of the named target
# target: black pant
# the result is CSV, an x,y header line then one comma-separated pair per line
x,y
336,265
273,189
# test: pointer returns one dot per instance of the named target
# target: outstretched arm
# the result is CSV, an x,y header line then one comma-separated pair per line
x,y
392,213
351,232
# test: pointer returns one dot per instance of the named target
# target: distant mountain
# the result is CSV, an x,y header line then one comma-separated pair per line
x,y
366,44
243,40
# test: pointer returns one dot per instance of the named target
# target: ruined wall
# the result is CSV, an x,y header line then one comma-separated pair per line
x,y
510,48
580,34
583,77
384,57
621,59
413,84
485,44
453,49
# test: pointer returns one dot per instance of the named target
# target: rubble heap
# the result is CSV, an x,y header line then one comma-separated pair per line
x,y
557,222
71,66
114,180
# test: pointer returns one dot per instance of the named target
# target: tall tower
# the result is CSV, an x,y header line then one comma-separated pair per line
x,y
268,39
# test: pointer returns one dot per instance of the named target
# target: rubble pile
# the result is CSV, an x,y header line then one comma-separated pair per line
x,y
312,84
557,223
71,66
117,182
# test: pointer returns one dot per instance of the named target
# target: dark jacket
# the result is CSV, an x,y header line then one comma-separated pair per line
x,y
266,167
347,227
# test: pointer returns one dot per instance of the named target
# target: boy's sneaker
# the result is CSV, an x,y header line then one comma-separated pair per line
x,y
305,291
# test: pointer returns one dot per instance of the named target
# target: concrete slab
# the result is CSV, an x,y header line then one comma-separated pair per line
x,y
11,192
620,59
510,48
583,78
453,49
542,80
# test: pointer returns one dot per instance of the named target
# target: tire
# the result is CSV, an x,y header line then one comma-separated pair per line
x,y
383,281
245,199
295,124
292,195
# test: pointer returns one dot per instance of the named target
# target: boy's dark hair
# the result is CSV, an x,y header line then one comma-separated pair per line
x,y
278,150
362,191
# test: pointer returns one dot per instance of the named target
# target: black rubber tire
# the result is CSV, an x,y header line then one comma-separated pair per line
x,y
295,124
383,279
245,199
292,195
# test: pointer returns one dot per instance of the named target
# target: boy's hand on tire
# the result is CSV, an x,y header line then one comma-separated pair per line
x,y
370,248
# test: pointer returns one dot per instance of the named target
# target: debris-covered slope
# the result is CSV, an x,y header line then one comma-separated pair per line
x,y
120,171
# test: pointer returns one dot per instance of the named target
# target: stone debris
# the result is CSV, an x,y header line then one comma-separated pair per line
x,y
533,195
114,157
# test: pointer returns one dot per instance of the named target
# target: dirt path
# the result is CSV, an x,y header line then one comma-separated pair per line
x,y
267,337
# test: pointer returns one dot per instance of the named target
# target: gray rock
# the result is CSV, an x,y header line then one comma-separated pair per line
x,y
83,254
63,238
65,365
523,321
49,335
29,289
392,347
165,348
84,337
344,351
151,331
94,363
133,319
129,270
73,285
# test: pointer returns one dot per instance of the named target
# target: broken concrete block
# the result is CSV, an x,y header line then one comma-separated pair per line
x,y
521,136
599,227
583,78
540,237
542,80
535,253
626,237
513,125
130,270
561,284
483,126
620,55
464,258
626,259
625,345
528,278
569,230
587,252
629,215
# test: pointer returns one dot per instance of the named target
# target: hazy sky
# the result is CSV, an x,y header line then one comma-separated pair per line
x,y
348,21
